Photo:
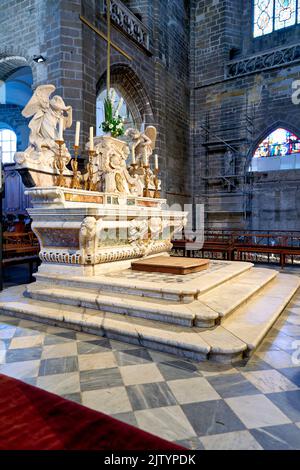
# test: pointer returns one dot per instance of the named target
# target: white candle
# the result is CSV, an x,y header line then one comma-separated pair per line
x,y
156,161
77,133
112,95
91,138
61,129
120,104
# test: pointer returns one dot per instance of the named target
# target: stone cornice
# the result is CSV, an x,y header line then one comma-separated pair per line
x,y
278,57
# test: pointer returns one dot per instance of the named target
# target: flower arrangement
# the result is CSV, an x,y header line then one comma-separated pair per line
x,y
113,121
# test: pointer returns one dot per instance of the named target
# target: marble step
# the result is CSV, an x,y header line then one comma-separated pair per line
x,y
203,313
133,306
174,339
251,322
168,287
226,298
239,334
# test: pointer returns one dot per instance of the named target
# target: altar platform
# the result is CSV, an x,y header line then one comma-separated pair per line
x,y
220,314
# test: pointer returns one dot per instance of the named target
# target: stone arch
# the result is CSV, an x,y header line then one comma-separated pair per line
x,y
17,74
17,56
127,82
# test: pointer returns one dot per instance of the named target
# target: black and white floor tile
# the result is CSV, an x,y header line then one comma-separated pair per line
x,y
253,405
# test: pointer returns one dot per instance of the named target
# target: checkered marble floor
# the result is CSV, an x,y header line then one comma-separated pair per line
x,y
169,278
254,405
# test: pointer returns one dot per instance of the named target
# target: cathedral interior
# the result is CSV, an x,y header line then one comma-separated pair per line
x,y
219,80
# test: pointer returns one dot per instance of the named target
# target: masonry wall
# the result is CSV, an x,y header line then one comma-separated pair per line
x,y
235,113
155,82
181,85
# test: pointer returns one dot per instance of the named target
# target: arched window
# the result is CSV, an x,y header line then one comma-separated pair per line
x,y
271,15
124,110
279,143
8,144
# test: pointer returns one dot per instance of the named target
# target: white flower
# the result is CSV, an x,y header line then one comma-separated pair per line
x,y
110,126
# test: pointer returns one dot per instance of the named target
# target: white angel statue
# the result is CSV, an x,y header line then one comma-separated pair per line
x,y
46,113
143,144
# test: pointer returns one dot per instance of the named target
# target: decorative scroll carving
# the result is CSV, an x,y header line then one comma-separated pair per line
x,y
137,230
47,195
48,256
110,172
268,60
129,23
119,253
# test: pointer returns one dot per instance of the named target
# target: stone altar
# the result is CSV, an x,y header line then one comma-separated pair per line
x,y
88,232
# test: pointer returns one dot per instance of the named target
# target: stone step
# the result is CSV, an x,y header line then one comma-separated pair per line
x,y
134,306
154,285
174,339
230,295
251,322
203,313
239,334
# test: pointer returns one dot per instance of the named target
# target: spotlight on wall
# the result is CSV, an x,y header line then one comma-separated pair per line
x,y
39,59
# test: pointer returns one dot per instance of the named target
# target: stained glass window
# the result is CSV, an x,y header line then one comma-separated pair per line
x,y
263,17
271,15
8,144
285,13
279,143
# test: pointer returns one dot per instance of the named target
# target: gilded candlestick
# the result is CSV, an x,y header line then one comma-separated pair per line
x,y
146,191
90,185
133,169
60,164
74,163
156,183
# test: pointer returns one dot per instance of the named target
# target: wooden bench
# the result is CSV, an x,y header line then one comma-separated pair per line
x,y
20,248
232,244
219,247
22,260
189,247
282,251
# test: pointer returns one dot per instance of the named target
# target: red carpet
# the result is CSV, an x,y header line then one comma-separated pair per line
x,y
33,419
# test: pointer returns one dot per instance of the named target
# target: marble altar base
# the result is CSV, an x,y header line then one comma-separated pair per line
x,y
87,232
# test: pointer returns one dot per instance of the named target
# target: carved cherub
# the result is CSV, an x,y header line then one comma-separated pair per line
x,y
143,143
111,167
46,114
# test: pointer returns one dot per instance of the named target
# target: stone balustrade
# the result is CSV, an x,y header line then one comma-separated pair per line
x,y
122,17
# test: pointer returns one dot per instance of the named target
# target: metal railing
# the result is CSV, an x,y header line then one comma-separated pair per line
x,y
261,246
